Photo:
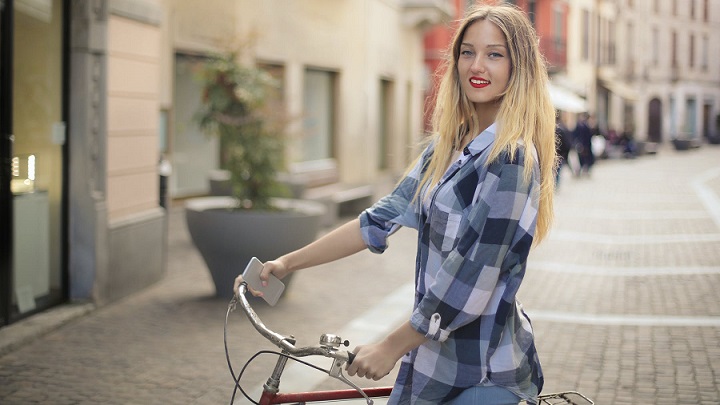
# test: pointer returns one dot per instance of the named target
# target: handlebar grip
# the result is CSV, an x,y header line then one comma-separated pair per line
x,y
351,357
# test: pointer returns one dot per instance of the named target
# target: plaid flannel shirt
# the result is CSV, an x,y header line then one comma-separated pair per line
x,y
474,236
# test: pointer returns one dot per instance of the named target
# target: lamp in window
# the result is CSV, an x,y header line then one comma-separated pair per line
x,y
22,169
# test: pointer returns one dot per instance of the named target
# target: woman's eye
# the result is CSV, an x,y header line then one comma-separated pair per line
x,y
466,53
495,55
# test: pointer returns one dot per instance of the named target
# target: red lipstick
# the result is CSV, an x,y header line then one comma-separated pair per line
x,y
479,82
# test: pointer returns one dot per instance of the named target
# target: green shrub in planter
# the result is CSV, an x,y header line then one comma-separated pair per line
x,y
235,108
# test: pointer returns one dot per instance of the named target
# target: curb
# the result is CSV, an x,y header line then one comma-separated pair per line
x,y
19,334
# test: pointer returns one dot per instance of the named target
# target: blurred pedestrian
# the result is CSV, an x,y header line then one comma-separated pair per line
x,y
480,195
563,144
627,140
582,137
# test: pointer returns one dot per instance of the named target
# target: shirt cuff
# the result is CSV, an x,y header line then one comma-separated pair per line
x,y
374,235
430,327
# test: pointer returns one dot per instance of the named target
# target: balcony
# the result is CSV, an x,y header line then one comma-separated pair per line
x,y
425,13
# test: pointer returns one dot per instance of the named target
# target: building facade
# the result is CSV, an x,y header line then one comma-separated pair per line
x,y
351,78
97,99
649,67
79,184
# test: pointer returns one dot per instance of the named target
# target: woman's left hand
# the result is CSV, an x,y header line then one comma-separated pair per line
x,y
373,361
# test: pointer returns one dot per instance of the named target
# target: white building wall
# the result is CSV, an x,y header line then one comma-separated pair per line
x,y
696,76
361,41
643,66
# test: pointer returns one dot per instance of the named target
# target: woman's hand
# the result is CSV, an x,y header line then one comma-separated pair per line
x,y
373,361
236,285
377,360
276,267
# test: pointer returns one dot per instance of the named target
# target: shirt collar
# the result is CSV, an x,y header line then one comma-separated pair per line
x,y
482,141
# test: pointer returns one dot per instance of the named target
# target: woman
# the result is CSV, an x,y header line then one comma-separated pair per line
x,y
479,195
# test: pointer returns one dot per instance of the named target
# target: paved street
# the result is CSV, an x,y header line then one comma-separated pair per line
x,y
624,297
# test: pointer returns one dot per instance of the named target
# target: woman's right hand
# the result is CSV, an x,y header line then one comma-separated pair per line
x,y
276,267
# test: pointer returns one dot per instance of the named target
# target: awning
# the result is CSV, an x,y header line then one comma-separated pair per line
x,y
565,100
622,90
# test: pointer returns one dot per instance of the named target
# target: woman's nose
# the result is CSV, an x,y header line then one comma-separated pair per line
x,y
478,66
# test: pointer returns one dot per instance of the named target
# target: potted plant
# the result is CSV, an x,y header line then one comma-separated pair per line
x,y
255,220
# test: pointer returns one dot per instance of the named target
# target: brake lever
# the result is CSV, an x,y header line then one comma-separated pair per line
x,y
336,373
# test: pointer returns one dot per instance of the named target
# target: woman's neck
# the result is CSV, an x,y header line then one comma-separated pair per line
x,y
486,114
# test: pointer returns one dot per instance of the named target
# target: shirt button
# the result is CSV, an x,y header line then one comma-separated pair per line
x,y
466,151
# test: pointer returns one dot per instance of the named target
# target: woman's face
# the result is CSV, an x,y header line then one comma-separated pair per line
x,y
484,64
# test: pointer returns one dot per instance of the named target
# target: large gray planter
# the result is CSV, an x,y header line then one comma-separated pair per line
x,y
682,144
227,239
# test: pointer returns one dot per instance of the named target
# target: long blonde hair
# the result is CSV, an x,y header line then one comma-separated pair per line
x,y
525,115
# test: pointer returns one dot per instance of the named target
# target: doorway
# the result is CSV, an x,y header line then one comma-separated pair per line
x,y
707,122
655,121
32,184
385,124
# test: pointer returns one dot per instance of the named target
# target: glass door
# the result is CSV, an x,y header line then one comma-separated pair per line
x,y
36,161
5,153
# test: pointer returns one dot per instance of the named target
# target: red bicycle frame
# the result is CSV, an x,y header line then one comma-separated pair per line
x,y
299,398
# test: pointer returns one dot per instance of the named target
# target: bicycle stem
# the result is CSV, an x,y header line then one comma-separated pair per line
x,y
273,382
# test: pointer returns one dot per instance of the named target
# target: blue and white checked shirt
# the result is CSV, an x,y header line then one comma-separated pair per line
x,y
473,242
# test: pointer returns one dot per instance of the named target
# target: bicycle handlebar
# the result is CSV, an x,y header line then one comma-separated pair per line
x,y
288,343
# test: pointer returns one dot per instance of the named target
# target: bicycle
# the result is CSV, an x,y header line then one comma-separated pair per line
x,y
330,347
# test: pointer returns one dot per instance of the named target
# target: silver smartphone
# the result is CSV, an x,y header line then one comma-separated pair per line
x,y
275,287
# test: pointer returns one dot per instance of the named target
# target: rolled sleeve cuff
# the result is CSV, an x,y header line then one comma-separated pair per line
x,y
374,233
374,236
430,327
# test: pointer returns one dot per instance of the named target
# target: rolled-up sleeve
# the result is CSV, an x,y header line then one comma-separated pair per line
x,y
397,209
470,275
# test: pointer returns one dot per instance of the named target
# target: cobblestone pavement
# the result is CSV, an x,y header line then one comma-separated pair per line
x,y
623,296
629,310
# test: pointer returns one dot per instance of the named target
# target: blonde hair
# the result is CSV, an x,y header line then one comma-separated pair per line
x,y
526,114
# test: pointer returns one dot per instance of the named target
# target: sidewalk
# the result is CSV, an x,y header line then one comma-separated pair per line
x,y
623,298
